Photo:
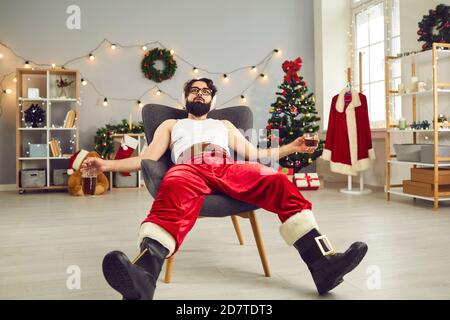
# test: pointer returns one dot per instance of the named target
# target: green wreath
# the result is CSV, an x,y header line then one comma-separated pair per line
x,y
150,72
435,27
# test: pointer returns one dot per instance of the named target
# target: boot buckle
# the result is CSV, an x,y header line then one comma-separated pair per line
x,y
325,242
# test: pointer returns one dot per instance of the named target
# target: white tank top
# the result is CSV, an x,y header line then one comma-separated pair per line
x,y
187,132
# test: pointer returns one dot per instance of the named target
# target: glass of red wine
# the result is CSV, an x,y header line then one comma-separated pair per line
x,y
89,180
311,139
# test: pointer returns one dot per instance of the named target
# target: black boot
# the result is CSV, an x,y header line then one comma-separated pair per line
x,y
327,267
137,280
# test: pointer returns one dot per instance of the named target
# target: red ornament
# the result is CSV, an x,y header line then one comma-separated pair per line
x,y
284,93
420,32
424,46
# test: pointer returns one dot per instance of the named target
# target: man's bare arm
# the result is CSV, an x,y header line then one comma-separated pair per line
x,y
249,152
154,151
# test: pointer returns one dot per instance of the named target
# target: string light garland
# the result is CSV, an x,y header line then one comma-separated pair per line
x,y
28,63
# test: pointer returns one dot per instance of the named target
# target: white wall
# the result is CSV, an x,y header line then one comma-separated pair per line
x,y
216,35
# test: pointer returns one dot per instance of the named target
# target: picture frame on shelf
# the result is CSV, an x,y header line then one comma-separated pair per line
x,y
33,93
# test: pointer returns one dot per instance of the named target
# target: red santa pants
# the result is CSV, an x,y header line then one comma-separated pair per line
x,y
184,187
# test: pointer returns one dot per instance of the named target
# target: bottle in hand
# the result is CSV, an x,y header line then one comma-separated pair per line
x,y
89,176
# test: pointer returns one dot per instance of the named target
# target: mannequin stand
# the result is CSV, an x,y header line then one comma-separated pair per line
x,y
359,191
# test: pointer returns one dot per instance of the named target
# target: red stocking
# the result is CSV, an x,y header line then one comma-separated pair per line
x,y
127,147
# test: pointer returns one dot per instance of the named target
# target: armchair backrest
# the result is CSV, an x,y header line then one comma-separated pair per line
x,y
154,114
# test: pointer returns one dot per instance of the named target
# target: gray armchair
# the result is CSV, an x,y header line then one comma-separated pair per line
x,y
214,205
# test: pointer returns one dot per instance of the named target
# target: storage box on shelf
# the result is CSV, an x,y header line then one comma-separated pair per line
x,y
432,155
426,175
424,189
422,182
33,178
121,181
46,145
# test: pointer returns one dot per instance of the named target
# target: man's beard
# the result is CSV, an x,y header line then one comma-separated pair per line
x,y
198,109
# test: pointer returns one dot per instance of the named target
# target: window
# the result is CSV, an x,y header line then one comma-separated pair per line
x,y
375,36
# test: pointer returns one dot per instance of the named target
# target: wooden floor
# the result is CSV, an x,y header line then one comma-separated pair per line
x,y
42,234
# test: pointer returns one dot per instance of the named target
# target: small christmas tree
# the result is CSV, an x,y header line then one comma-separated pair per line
x,y
293,114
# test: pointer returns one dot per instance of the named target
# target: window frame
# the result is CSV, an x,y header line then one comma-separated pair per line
x,y
358,7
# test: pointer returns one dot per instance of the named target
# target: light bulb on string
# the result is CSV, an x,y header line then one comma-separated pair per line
x,y
15,79
195,70
172,52
158,93
7,91
144,48
83,82
105,102
27,64
140,104
91,57
1,55
53,66
254,68
225,77
243,98
277,51
113,46
264,76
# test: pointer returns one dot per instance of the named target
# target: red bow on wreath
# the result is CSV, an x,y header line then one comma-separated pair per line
x,y
291,68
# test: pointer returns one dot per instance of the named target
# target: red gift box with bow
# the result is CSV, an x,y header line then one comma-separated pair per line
x,y
307,181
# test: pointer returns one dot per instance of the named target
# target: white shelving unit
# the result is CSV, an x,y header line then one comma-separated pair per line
x,y
56,108
440,51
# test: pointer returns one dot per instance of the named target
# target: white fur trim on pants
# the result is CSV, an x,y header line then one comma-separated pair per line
x,y
297,226
158,233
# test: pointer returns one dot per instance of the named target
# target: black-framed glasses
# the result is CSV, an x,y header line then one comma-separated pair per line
x,y
204,91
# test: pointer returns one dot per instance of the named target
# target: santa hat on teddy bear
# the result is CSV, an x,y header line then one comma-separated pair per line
x,y
76,160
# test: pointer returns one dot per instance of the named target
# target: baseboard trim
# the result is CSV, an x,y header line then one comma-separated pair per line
x,y
7,187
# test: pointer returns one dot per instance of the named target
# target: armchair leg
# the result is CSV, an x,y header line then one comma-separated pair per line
x,y
237,229
259,243
169,265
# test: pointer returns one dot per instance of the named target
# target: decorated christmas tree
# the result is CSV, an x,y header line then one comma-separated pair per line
x,y
292,115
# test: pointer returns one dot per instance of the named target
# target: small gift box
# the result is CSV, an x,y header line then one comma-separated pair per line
x,y
307,181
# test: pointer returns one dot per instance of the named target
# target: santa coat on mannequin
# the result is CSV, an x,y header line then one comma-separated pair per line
x,y
348,145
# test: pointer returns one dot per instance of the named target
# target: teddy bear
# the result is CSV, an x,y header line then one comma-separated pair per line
x,y
75,180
